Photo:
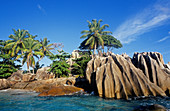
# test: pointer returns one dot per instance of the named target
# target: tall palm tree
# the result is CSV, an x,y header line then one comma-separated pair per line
x,y
17,42
31,50
94,35
45,48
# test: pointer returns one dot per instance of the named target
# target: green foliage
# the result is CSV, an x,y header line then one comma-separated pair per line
x,y
62,56
80,65
23,45
59,65
94,35
45,47
7,65
17,43
60,68
31,50
110,41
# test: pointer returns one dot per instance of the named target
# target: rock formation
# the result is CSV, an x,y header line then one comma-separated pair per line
x,y
43,74
115,76
4,84
152,65
43,85
19,76
61,91
16,76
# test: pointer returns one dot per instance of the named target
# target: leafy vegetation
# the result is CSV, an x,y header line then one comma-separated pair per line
x,y
7,65
17,43
97,38
31,50
94,35
110,41
79,67
23,46
59,65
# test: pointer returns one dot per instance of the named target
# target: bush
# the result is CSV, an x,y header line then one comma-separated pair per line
x,y
60,68
59,65
80,65
7,66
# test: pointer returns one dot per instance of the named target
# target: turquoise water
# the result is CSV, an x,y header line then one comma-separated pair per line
x,y
19,100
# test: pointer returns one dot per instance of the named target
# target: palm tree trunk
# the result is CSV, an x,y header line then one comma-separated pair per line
x,y
94,49
28,67
33,69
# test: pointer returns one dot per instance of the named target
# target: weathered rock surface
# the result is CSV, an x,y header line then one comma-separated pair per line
x,y
19,76
152,65
28,77
43,85
4,84
116,77
61,91
16,76
43,74
75,54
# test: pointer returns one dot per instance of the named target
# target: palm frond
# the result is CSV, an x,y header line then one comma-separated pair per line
x,y
84,36
89,40
89,24
106,32
98,24
103,27
85,31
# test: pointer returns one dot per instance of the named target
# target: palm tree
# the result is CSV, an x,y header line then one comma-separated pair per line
x,y
31,50
17,42
45,48
94,35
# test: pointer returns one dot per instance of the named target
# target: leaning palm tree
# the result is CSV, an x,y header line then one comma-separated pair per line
x,y
45,48
94,35
31,50
17,43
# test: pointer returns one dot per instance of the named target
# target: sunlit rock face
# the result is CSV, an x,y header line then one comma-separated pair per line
x,y
4,84
152,65
118,76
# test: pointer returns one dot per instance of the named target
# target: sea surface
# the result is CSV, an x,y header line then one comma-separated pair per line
x,y
19,100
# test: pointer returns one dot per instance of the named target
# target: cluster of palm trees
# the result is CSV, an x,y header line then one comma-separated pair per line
x,y
24,46
97,38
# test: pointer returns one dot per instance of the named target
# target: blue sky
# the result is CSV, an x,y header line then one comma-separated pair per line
x,y
141,25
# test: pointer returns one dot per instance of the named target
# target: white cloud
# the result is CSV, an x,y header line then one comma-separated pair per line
x,y
149,18
169,32
163,39
41,9
39,6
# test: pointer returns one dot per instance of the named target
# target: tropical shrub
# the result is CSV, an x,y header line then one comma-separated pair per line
x,y
7,65
60,68
79,67
59,65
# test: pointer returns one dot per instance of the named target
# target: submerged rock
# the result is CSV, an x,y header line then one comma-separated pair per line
x,y
154,107
62,90
115,76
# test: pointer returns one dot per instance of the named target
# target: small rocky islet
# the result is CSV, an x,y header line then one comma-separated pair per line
x,y
112,76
